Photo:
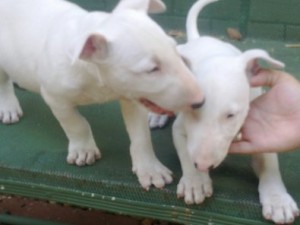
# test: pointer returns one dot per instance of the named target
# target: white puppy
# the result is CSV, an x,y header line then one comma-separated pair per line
x,y
202,138
73,57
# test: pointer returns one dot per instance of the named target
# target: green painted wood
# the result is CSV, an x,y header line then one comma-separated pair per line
x,y
16,220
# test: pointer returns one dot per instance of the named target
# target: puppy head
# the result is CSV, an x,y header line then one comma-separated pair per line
x,y
138,60
211,129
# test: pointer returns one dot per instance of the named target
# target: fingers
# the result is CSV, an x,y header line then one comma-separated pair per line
x,y
242,147
266,77
270,78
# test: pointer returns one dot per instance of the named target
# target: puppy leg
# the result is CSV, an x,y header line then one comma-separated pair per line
x,y
277,204
10,109
194,186
82,149
145,165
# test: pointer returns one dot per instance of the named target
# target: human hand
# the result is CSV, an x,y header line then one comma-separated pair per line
x,y
273,121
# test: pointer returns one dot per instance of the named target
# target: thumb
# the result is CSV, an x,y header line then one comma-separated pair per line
x,y
242,147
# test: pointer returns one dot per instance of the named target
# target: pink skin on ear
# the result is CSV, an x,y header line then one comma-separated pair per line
x,y
88,49
95,47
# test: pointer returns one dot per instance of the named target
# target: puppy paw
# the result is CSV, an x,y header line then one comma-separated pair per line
x,y
279,207
194,188
157,120
10,110
83,156
154,173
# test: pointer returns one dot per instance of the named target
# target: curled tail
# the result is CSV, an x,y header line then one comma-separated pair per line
x,y
191,22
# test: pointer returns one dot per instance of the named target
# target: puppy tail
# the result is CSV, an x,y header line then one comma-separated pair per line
x,y
191,22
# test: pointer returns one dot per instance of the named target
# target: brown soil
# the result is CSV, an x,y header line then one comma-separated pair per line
x,y
52,211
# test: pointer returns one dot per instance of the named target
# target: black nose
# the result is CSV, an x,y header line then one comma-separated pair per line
x,y
198,105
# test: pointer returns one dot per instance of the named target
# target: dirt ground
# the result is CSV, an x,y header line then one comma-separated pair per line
x,y
37,209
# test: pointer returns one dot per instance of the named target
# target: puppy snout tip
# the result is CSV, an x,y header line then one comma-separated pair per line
x,y
198,105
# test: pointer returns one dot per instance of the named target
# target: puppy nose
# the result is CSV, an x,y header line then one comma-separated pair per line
x,y
198,105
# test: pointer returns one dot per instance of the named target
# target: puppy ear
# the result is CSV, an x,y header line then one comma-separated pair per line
x,y
156,6
94,48
150,6
250,59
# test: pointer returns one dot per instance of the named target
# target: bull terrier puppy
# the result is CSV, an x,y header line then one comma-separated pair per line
x,y
202,137
73,57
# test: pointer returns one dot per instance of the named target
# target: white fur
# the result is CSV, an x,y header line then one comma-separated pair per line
x,y
73,57
202,138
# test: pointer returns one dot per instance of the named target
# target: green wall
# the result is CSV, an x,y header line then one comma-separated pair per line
x,y
271,19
